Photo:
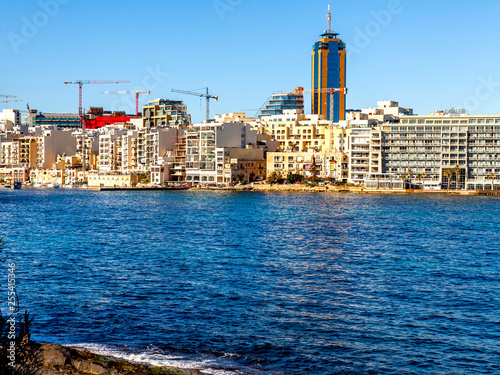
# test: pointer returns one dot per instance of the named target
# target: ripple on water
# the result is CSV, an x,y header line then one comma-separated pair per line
x,y
284,283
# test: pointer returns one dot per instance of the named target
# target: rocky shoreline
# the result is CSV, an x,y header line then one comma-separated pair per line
x,y
54,359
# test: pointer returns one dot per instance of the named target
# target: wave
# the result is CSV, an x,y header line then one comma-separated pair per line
x,y
209,364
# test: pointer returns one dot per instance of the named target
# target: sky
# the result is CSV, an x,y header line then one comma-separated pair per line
x,y
427,55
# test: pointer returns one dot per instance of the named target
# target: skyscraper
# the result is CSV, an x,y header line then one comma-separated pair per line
x,y
328,71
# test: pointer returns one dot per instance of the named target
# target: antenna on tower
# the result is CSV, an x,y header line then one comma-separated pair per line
x,y
329,18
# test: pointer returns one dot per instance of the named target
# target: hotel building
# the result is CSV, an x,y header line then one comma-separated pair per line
x,y
432,144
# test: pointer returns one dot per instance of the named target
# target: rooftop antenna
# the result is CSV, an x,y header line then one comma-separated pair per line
x,y
329,18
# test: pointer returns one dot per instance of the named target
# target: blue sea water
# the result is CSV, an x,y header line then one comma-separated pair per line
x,y
257,283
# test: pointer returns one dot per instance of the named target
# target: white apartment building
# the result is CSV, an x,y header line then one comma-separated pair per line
x,y
202,158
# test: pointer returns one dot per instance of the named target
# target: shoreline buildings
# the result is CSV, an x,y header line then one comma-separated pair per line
x,y
386,146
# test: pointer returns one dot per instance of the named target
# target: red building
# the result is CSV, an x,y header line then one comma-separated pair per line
x,y
96,118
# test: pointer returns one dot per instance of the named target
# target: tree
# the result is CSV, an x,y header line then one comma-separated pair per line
x,y
293,146
448,173
457,170
492,177
294,177
422,177
274,177
404,176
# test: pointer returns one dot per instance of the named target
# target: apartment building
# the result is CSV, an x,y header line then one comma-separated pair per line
x,y
110,149
310,164
241,164
164,112
204,159
293,130
51,143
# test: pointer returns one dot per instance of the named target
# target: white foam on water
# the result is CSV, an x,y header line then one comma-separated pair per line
x,y
153,358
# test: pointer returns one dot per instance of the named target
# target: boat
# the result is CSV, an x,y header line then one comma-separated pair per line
x,y
17,185
56,186
7,186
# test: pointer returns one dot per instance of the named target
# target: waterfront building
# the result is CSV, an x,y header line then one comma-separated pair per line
x,y
310,164
18,150
469,145
204,149
154,143
110,149
329,71
359,154
178,168
127,151
114,179
338,141
241,164
51,143
165,112
9,174
283,101
293,130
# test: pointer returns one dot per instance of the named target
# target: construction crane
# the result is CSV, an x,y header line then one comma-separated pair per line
x,y
80,85
207,96
330,91
136,92
11,100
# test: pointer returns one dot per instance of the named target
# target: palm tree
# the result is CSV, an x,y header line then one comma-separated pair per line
x,y
448,173
410,175
457,171
421,177
404,176
492,177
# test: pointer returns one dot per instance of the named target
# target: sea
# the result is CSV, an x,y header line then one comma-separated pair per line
x,y
261,283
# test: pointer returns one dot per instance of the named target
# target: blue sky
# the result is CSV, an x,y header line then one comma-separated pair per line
x,y
428,55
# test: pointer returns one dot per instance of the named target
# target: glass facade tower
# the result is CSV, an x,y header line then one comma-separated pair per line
x,y
329,71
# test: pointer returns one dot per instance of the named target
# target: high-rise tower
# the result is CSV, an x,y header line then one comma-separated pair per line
x,y
329,71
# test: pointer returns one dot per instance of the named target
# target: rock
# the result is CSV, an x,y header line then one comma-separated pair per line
x,y
53,359
54,355
89,367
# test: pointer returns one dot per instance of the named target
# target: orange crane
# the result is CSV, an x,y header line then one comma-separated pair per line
x,y
87,82
136,92
330,91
